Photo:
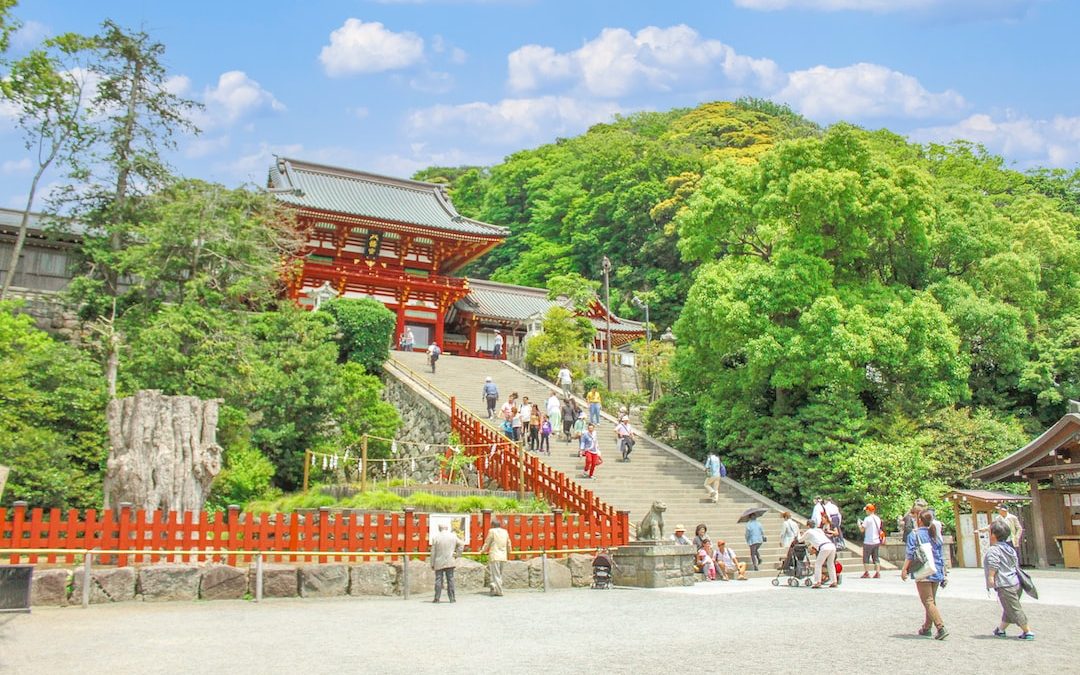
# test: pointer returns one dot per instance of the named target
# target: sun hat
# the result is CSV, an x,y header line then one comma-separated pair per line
x,y
487,379
680,528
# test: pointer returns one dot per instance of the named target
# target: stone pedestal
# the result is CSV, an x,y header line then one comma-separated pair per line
x,y
647,564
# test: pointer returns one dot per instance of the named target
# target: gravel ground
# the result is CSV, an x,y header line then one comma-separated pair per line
x,y
865,626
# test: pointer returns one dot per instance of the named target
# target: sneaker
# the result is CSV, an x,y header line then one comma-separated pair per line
x,y
999,633
924,632
942,633
1026,636
865,575
877,575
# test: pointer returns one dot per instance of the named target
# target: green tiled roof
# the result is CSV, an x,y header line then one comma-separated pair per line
x,y
506,302
368,195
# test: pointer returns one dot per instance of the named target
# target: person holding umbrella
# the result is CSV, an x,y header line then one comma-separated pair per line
x,y
755,537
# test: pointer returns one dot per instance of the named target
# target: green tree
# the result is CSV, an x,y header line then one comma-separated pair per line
x,y
366,328
51,417
47,92
361,411
564,341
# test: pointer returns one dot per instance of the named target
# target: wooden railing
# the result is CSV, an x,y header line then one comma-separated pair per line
x,y
506,463
236,537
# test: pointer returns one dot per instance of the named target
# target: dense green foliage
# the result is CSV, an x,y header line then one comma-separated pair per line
x,y
384,500
367,328
564,342
857,314
52,417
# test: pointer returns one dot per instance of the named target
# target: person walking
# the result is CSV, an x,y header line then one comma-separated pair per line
x,y
518,424
832,512
526,412
498,353
491,396
590,450
545,436
818,513
927,586
713,476
553,408
566,412
497,547
566,381
873,533
433,353
789,531
593,399
1001,566
911,520
821,546
755,537
534,429
446,547
625,438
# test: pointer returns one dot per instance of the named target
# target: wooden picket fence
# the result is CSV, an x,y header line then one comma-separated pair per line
x,y
500,459
143,536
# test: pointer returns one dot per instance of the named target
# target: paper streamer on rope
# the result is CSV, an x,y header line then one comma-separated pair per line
x,y
413,464
313,459
324,462
393,448
384,466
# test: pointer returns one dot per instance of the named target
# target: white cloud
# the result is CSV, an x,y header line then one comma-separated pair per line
x,y
510,121
421,157
618,62
235,97
1029,142
254,166
202,147
863,90
16,166
30,35
359,47
433,82
178,85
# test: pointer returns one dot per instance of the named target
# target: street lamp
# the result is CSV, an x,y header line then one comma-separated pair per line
x,y
605,265
638,302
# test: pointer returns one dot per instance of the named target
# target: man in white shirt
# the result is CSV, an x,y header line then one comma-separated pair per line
x,y
820,544
818,512
498,345
871,527
565,381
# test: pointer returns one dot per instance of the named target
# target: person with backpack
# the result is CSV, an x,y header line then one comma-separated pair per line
x,y
1002,568
923,561
433,352
873,534
714,472
491,396
624,436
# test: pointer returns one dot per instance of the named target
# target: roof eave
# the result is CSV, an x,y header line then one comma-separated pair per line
x,y
1031,453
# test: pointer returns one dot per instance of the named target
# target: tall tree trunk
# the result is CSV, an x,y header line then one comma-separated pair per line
x,y
20,240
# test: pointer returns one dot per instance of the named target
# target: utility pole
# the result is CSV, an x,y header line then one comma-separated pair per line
x,y
606,266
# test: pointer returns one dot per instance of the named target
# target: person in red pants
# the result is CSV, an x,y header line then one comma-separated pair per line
x,y
589,449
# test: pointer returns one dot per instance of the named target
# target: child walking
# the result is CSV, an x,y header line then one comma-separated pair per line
x,y
545,436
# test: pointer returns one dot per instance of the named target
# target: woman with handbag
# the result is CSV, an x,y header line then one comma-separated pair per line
x,y
923,562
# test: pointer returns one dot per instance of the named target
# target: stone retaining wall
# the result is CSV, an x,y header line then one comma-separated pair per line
x,y
424,421
172,581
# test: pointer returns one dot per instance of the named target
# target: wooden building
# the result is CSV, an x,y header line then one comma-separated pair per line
x,y
400,242
1050,465
48,254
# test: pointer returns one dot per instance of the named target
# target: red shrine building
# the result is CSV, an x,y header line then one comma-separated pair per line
x,y
401,242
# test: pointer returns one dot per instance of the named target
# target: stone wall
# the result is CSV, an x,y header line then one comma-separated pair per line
x,y
425,421
212,581
654,565
48,313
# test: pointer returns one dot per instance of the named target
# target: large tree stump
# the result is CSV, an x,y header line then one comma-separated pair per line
x,y
163,451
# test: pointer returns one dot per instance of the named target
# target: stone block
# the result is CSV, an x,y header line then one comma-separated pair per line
x,y
421,577
223,582
50,587
372,578
470,576
324,581
580,565
558,575
106,585
649,565
279,581
515,574
169,582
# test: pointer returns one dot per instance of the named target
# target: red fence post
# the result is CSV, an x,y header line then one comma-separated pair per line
x,y
124,532
407,545
18,521
557,517
624,528
324,531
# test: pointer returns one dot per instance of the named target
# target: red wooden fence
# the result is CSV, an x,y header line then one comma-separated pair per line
x,y
204,537
503,461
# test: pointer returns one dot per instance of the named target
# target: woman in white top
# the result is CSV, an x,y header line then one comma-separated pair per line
x,y
789,532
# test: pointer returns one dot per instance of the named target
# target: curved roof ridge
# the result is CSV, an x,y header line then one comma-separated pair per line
x,y
406,183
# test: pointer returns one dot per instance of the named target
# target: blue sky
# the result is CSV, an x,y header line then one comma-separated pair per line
x,y
395,85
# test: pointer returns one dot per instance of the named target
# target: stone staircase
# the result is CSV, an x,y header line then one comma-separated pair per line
x,y
655,472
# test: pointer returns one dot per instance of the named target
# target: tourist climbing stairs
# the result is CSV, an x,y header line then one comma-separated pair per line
x,y
656,472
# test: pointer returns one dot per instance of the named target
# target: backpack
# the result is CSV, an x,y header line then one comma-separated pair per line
x,y
723,469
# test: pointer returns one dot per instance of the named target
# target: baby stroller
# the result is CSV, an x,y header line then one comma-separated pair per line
x,y
602,566
797,566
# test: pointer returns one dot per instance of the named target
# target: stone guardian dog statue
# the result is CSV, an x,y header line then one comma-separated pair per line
x,y
652,525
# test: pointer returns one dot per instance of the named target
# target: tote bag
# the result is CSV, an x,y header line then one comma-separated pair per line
x,y
923,558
